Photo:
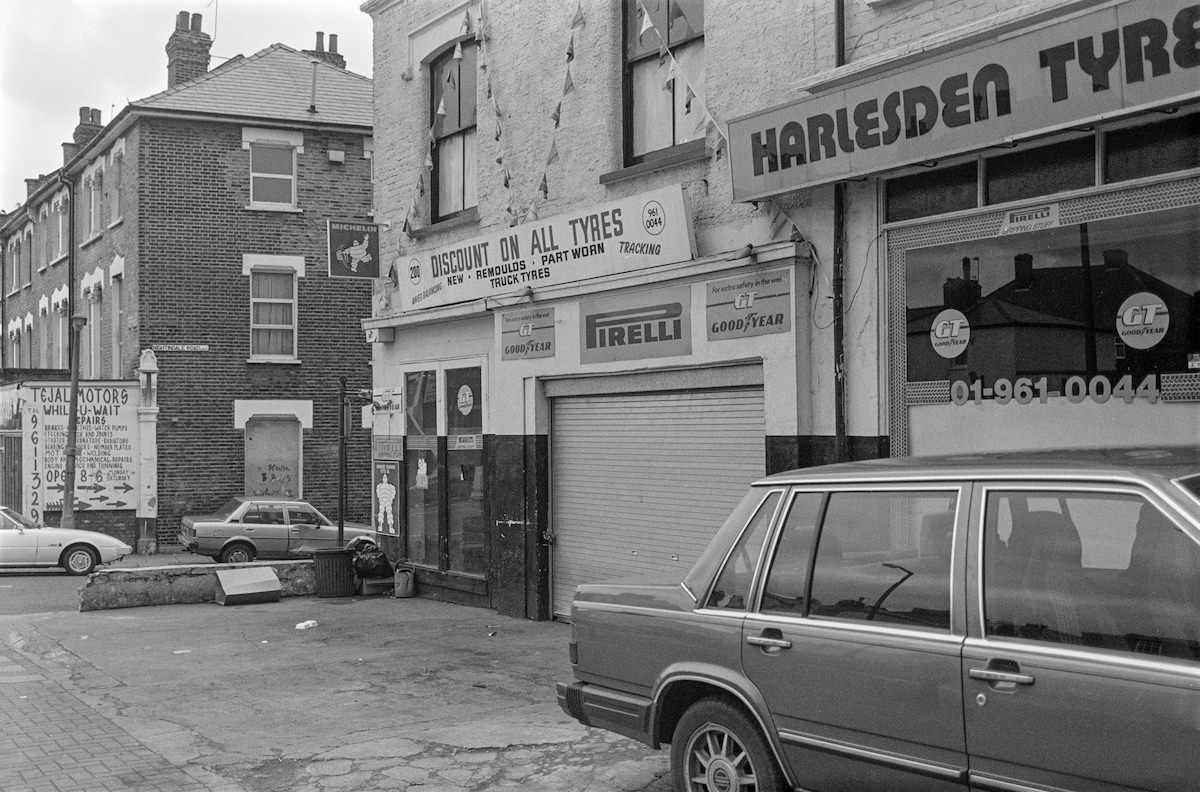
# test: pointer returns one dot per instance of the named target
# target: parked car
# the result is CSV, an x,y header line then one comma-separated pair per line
x,y
1016,621
24,542
248,528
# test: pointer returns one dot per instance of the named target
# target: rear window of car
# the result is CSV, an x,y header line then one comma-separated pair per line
x,y
229,507
697,580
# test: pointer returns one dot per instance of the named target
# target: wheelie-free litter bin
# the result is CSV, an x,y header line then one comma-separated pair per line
x,y
334,568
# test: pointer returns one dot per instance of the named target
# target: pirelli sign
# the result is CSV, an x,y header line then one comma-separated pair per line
x,y
634,326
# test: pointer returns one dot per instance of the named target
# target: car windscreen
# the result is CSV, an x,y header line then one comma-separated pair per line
x,y
18,519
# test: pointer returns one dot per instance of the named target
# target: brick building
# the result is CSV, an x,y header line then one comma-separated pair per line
x,y
645,252
193,226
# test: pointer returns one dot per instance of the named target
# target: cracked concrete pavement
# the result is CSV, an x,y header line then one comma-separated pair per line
x,y
383,694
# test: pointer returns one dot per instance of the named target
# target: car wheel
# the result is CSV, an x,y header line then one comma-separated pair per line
x,y
79,560
238,553
717,749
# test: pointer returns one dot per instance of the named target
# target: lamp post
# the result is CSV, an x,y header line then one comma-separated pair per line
x,y
68,512
343,420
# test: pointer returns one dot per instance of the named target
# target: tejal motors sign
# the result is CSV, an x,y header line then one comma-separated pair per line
x,y
1114,61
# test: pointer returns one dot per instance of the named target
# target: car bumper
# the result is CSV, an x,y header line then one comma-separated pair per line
x,y
188,543
604,708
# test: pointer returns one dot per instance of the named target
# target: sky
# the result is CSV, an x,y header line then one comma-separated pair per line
x,y
59,55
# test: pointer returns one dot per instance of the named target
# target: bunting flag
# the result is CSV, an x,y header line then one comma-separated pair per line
x,y
450,79
466,24
571,49
489,90
687,99
531,214
779,219
496,108
577,20
441,111
497,130
458,55
505,177
413,209
672,75
407,228
544,188
428,160
557,114
569,84
551,157
663,52
420,184
675,11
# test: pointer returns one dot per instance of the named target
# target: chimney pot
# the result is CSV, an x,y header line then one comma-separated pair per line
x,y
196,20
96,116
181,20
85,115
320,41
333,43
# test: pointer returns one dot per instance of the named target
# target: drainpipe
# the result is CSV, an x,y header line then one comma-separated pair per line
x,y
68,506
841,444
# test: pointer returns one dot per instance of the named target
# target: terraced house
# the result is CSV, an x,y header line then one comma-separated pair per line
x,y
190,232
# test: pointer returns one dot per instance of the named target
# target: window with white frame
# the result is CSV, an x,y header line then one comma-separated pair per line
x,y
274,305
116,181
95,187
48,226
272,166
14,268
49,319
63,208
454,182
114,294
664,77
62,337
27,259
94,363
15,350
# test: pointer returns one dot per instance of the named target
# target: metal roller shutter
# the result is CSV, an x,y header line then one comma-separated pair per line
x,y
640,482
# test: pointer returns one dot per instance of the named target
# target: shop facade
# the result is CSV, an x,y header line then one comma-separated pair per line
x,y
1037,218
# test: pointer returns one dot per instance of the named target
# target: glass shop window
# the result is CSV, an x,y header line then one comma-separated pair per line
x,y
1097,310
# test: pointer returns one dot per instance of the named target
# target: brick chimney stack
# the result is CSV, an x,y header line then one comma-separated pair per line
x,y
187,50
331,55
89,126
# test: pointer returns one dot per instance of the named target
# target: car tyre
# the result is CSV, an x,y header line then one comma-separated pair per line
x,y
237,553
718,748
79,560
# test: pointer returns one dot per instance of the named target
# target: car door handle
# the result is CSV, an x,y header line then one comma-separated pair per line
x,y
768,642
990,675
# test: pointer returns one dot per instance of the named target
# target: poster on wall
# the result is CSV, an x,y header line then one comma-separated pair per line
x,y
386,501
634,326
754,304
645,230
527,334
106,463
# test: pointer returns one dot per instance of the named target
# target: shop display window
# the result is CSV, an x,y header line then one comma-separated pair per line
x,y
444,469
1098,310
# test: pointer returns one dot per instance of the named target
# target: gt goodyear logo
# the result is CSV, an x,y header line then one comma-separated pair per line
x,y
950,333
1142,320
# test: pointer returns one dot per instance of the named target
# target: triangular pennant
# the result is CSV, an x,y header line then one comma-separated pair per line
x,y
512,217
458,51
551,157
675,11
407,227
571,49
450,79
544,188
557,114
672,75
663,52
532,213
577,20
432,135
720,145
441,110
569,83
505,177
420,184
413,210
489,90
496,108
687,99
500,158
778,220
428,160
466,23
646,23
498,133
479,36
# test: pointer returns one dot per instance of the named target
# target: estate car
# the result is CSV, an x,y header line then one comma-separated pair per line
x,y
1015,621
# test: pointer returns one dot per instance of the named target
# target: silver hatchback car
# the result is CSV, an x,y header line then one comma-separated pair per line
x,y
1015,622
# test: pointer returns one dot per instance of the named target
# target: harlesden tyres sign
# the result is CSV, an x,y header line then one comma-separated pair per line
x,y
1109,62
645,230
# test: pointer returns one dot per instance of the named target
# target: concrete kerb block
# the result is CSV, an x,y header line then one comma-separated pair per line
x,y
172,585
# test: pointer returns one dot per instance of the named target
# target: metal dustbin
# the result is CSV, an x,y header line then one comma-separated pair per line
x,y
334,568
406,582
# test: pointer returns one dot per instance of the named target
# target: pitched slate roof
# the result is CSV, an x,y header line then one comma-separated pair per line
x,y
274,84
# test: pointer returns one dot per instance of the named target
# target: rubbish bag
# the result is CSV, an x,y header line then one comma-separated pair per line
x,y
371,562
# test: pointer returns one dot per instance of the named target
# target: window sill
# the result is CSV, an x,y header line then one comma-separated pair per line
x,y
115,223
59,260
466,217
91,240
253,207
282,361
683,154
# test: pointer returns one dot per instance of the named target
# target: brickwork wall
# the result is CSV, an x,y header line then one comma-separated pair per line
x,y
193,190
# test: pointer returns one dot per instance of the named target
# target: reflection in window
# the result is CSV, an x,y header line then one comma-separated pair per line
x,y
1102,570
886,557
1112,297
786,582
732,588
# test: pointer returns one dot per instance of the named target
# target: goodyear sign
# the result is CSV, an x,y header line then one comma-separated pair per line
x,y
1116,60
527,334
750,305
